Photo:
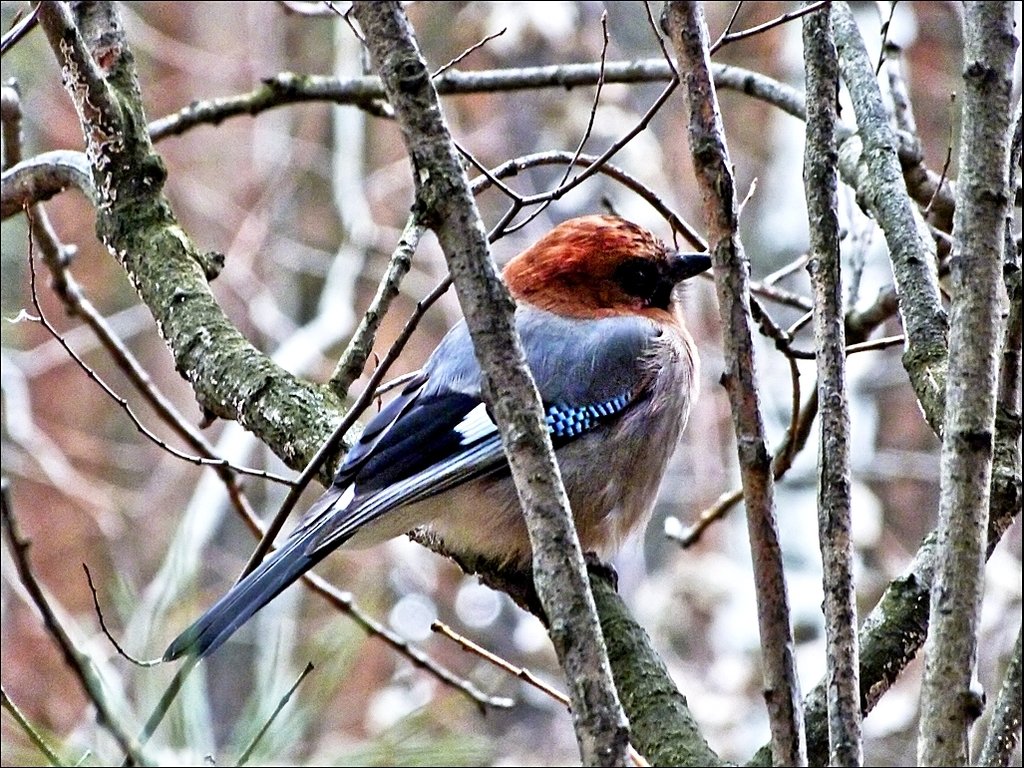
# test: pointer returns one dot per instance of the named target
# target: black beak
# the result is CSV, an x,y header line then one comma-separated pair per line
x,y
686,265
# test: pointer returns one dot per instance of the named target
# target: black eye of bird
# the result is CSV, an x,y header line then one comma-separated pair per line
x,y
640,278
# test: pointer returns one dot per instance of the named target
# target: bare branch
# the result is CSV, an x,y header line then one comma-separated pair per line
x,y
354,358
882,189
729,36
77,661
333,442
983,199
443,195
477,45
1004,730
718,192
41,177
834,513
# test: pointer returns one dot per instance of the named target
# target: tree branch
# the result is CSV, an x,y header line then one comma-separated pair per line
x,y
80,664
1004,730
714,177
983,199
231,379
834,514
882,190
446,204
41,177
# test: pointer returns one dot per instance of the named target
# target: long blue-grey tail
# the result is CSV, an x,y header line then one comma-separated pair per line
x,y
247,596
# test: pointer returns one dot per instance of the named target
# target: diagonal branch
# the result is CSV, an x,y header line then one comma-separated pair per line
x,y
230,377
881,188
444,200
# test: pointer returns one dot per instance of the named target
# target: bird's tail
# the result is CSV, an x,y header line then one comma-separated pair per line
x,y
253,592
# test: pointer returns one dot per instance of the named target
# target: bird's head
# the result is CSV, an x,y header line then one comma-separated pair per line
x,y
601,266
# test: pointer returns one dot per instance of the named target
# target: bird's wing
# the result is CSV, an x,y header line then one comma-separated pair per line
x,y
439,434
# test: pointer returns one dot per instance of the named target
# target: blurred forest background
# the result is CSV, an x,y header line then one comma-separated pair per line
x,y
307,202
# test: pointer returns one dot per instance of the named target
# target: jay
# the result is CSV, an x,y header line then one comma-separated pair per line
x,y
598,313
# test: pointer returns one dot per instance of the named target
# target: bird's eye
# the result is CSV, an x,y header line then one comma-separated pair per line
x,y
638,277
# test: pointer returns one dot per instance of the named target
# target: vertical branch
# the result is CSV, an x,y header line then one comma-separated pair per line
x,y
714,176
948,704
444,200
834,526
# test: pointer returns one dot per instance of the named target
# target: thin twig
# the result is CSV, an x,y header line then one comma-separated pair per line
x,y
346,16
782,460
77,661
247,752
732,22
656,30
609,153
357,408
106,631
884,45
480,44
945,164
731,37
34,736
875,344
517,165
492,658
785,271
587,131
122,403
771,329
352,360
859,325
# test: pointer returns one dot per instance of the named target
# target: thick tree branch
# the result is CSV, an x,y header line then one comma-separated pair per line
x,y
661,724
983,199
41,177
881,189
714,176
231,378
446,204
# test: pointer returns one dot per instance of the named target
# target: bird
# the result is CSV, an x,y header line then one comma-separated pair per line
x,y
599,314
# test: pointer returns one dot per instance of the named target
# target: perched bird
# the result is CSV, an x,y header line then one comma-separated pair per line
x,y
598,313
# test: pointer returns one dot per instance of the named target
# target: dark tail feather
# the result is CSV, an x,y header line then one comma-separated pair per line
x,y
245,598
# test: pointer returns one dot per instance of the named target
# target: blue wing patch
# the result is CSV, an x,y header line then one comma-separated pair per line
x,y
424,453
568,421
